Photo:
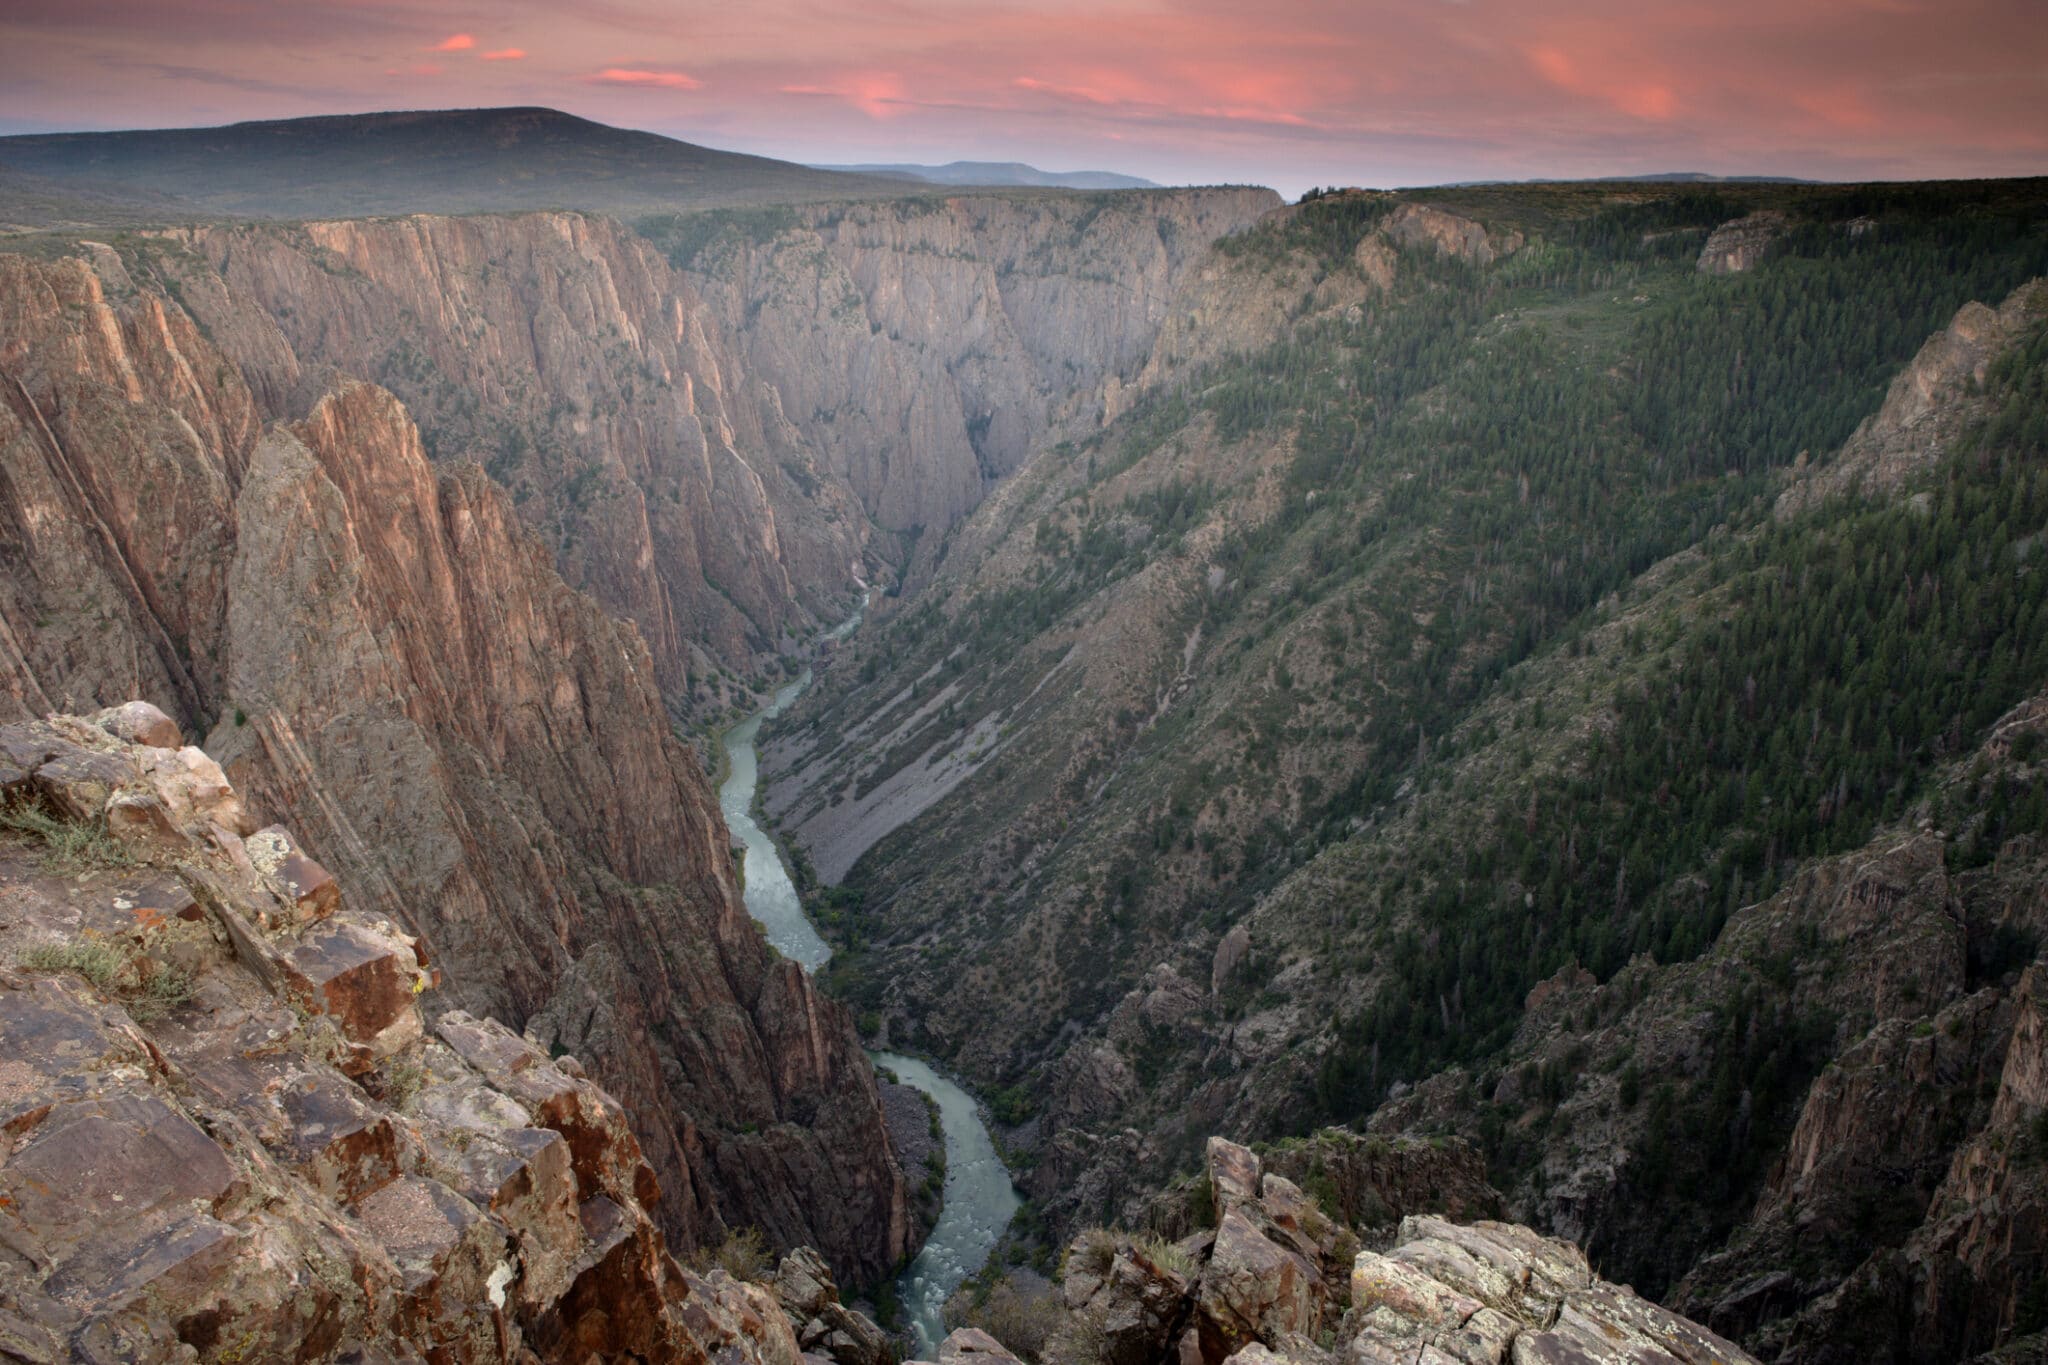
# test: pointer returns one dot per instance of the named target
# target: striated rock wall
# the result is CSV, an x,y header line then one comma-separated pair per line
x,y
927,347
387,660
710,449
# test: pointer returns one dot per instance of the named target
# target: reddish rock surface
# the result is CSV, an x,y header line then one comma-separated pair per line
x,y
390,667
229,1137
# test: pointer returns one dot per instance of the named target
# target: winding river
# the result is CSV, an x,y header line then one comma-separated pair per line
x,y
979,1201
979,1198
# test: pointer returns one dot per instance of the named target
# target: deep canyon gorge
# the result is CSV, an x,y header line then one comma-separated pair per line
x,y
1366,714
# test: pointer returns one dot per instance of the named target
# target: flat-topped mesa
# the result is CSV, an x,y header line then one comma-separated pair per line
x,y
231,1132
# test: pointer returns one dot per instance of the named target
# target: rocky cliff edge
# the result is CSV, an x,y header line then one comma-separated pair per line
x,y
228,1133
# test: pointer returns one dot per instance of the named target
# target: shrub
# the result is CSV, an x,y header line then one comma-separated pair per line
x,y
1167,1256
69,846
149,989
1091,1253
1023,1322
743,1254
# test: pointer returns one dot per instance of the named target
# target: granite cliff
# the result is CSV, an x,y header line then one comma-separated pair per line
x,y
727,422
385,658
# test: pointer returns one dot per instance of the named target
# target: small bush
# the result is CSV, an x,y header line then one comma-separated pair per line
x,y
1167,1256
1023,1322
743,1254
69,846
1092,1253
99,962
403,1080
149,989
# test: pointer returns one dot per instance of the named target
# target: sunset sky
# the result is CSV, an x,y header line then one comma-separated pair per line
x,y
1282,92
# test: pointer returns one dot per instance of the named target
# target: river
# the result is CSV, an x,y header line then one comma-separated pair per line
x,y
978,1199
978,1203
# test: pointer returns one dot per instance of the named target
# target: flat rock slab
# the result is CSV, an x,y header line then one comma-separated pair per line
x,y
56,1045
420,1222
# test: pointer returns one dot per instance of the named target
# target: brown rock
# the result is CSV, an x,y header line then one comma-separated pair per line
x,y
367,979
1251,1289
138,722
972,1346
309,887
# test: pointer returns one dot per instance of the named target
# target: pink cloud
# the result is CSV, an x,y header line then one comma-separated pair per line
x,y
879,96
646,80
505,54
454,42
416,69
1639,99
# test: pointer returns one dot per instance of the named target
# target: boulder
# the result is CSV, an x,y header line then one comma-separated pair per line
x,y
307,886
972,1346
138,722
1252,1289
367,977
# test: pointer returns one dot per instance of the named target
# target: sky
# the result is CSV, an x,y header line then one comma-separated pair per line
x,y
1288,93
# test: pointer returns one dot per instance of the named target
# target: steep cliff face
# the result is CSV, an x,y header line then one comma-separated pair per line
x,y
710,449
563,354
927,347
395,667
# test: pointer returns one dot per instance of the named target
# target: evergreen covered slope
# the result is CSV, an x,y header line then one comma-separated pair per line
x,y
1549,663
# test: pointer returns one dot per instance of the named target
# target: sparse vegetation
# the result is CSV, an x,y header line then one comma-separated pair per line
x,y
69,846
743,1254
145,986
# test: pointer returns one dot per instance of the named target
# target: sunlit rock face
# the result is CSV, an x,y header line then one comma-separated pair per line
x,y
382,659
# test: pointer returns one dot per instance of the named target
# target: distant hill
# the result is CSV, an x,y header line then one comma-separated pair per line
x,y
998,173
1656,178
443,161
30,202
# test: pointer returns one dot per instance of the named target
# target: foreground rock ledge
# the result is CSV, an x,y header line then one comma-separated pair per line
x,y
1279,1280
227,1134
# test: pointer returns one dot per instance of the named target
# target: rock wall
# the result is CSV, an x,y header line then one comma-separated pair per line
x,y
233,1136
387,660
710,449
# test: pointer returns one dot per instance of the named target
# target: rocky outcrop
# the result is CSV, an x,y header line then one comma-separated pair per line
x,y
1412,226
1931,402
232,1134
1738,245
1281,1281
804,1287
385,661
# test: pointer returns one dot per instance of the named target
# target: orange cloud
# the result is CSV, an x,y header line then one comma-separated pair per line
x,y
1639,100
878,96
505,54
454,42
648,80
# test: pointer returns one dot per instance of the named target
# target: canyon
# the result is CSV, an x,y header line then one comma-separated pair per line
x,y
1433,756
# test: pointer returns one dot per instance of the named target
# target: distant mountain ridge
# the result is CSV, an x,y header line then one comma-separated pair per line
x,y
431,161
997,173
